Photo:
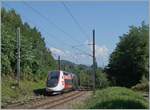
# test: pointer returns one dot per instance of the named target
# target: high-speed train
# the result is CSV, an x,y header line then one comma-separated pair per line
x,y
60,81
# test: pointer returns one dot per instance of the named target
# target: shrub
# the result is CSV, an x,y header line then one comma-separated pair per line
x,y
116,98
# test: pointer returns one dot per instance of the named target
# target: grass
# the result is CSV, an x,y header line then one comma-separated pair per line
x,y
116,98
11,93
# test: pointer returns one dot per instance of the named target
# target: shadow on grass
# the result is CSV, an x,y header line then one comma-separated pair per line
x,y
119,104
42,91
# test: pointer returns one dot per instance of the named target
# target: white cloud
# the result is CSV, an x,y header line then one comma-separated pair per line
x,y
64,54
56,52
87,42
101,51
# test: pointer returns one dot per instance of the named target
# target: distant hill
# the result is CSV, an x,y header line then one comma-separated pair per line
x,y
72,67
69,63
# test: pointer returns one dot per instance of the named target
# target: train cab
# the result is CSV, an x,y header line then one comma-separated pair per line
x,y
60,81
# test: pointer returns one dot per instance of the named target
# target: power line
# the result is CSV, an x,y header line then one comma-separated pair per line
x,y
50,21
70,46
83,51
55,25
52,44
74,19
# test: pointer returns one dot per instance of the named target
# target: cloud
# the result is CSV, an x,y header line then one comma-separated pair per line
x,y
57,52
101,51
87,42
64,54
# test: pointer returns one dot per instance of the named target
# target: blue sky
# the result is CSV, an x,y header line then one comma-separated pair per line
x,y
109,19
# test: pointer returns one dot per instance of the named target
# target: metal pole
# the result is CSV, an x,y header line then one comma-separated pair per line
x,y
59,63
94,68
18,55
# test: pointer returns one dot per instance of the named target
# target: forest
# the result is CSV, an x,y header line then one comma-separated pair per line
x,y
36,59
128,64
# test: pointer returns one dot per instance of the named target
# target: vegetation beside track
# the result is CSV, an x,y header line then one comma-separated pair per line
x,y
128,64
12,94
116,98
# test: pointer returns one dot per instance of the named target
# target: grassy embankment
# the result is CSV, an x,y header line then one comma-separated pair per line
x,y
12,94
116,98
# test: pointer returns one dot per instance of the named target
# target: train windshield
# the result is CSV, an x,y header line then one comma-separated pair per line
x,y
53,78
54,75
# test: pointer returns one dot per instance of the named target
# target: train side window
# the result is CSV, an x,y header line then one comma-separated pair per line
x,y
65,73
68,81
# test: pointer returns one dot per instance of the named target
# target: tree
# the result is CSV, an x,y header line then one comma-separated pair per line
x,y
36,59
101,79
129,61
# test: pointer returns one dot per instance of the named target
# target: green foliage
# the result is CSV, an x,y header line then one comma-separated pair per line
x,y
116,98
101,79
85,74
129,62
11,93
36,59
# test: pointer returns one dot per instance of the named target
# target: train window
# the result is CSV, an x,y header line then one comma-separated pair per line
x,y
53,78
53,75
68,81
65,73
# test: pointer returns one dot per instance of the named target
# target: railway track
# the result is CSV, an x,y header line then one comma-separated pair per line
x,y
49,102
54,103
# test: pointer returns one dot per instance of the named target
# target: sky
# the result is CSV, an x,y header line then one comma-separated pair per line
x,y
69,35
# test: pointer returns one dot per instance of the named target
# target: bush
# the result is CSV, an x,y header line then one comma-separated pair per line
x,y
11,93
142,86
101,79
116,98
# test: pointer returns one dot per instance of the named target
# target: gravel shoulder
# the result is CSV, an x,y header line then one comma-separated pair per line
x,y
75,103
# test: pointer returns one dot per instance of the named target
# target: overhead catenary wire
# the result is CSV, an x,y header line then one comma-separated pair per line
x,y
70,46
83,51
75,20
54,24
51,22
50,34
52,44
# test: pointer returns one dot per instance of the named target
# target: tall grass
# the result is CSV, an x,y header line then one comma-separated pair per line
x,y
11,93
116,98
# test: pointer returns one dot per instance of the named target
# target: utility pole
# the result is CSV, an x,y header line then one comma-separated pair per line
x,y
59,63
18,56
94,60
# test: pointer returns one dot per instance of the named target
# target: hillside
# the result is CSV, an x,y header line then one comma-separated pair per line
x,y
36,58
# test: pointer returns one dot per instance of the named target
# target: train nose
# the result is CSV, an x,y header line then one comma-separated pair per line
x,y
48,89
52,83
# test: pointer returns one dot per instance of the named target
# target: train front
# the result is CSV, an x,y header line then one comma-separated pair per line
x,y
54,82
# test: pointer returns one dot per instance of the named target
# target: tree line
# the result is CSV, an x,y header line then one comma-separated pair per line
x,y
128,63
36,58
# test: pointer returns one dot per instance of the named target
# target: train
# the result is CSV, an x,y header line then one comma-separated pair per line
x,y
59,81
